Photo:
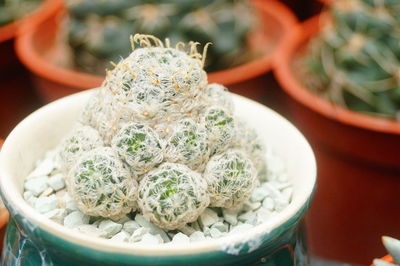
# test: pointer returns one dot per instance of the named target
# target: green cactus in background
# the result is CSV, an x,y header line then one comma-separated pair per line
x,y
98,30
355,60
393,247
11,10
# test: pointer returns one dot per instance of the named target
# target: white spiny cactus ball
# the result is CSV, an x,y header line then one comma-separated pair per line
x,y
172,195
231,178
80,140
102,185
164,125
221,128
139,147
188,144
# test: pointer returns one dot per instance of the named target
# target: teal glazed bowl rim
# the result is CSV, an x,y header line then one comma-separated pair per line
x,y
44,128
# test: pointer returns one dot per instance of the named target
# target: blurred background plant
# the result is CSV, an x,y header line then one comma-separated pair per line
x,y
355,60
11,10
96,30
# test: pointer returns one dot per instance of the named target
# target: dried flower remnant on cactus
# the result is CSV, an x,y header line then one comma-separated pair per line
x,y
101,185
221,129
80,140
231,178
188,145
172,195
138,146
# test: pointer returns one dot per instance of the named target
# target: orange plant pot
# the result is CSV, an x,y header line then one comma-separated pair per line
x,y
11,30
39,51
386,258
359,165
3,218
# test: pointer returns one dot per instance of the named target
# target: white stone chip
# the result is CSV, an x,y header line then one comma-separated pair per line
x,y
259,194
187,230
123,220
46,204
230,215
263,215
56,215
91,230
153,229
251,206
75,219
287,193
241,228
222,227
268,203
36,185
280,204
197,236
56,182
27,195
138,234
131,226
248,217
149,239
215,233
68,203
47,192
109,227
43,168
121,237
208,217
180,238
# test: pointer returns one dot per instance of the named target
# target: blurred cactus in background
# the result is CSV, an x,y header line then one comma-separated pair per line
x,y
393,247
98,30
355,60
11,10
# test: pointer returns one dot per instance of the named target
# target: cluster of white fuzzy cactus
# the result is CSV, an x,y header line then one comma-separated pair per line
x,y
157,138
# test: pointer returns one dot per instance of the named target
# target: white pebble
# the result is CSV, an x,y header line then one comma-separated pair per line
x,y
197,236
180,238
263,215
259,194
91,230
109,227
251,206
268,203
187,230
287,193
121,237
131,226
280,204
56,215
149,239
75,219
67,202
153,229
208,217
43,168
36,185
138,234
241,228
57,182
222,227
46,204
47,192
123,220
230,215
215,233
248,217
27,195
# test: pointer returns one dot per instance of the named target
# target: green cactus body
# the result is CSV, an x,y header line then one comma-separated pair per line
x,y
172,195
221,128
11,10
97,30
139,146
82,139
218,95
188,145
354,62
101,185
231,178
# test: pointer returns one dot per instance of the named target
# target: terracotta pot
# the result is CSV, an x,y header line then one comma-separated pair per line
x,y
40,53
9,31
3,217
359,165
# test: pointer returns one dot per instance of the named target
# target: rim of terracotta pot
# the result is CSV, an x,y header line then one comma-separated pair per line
x,y
75,79
299,36
58,108
3,211
46,9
